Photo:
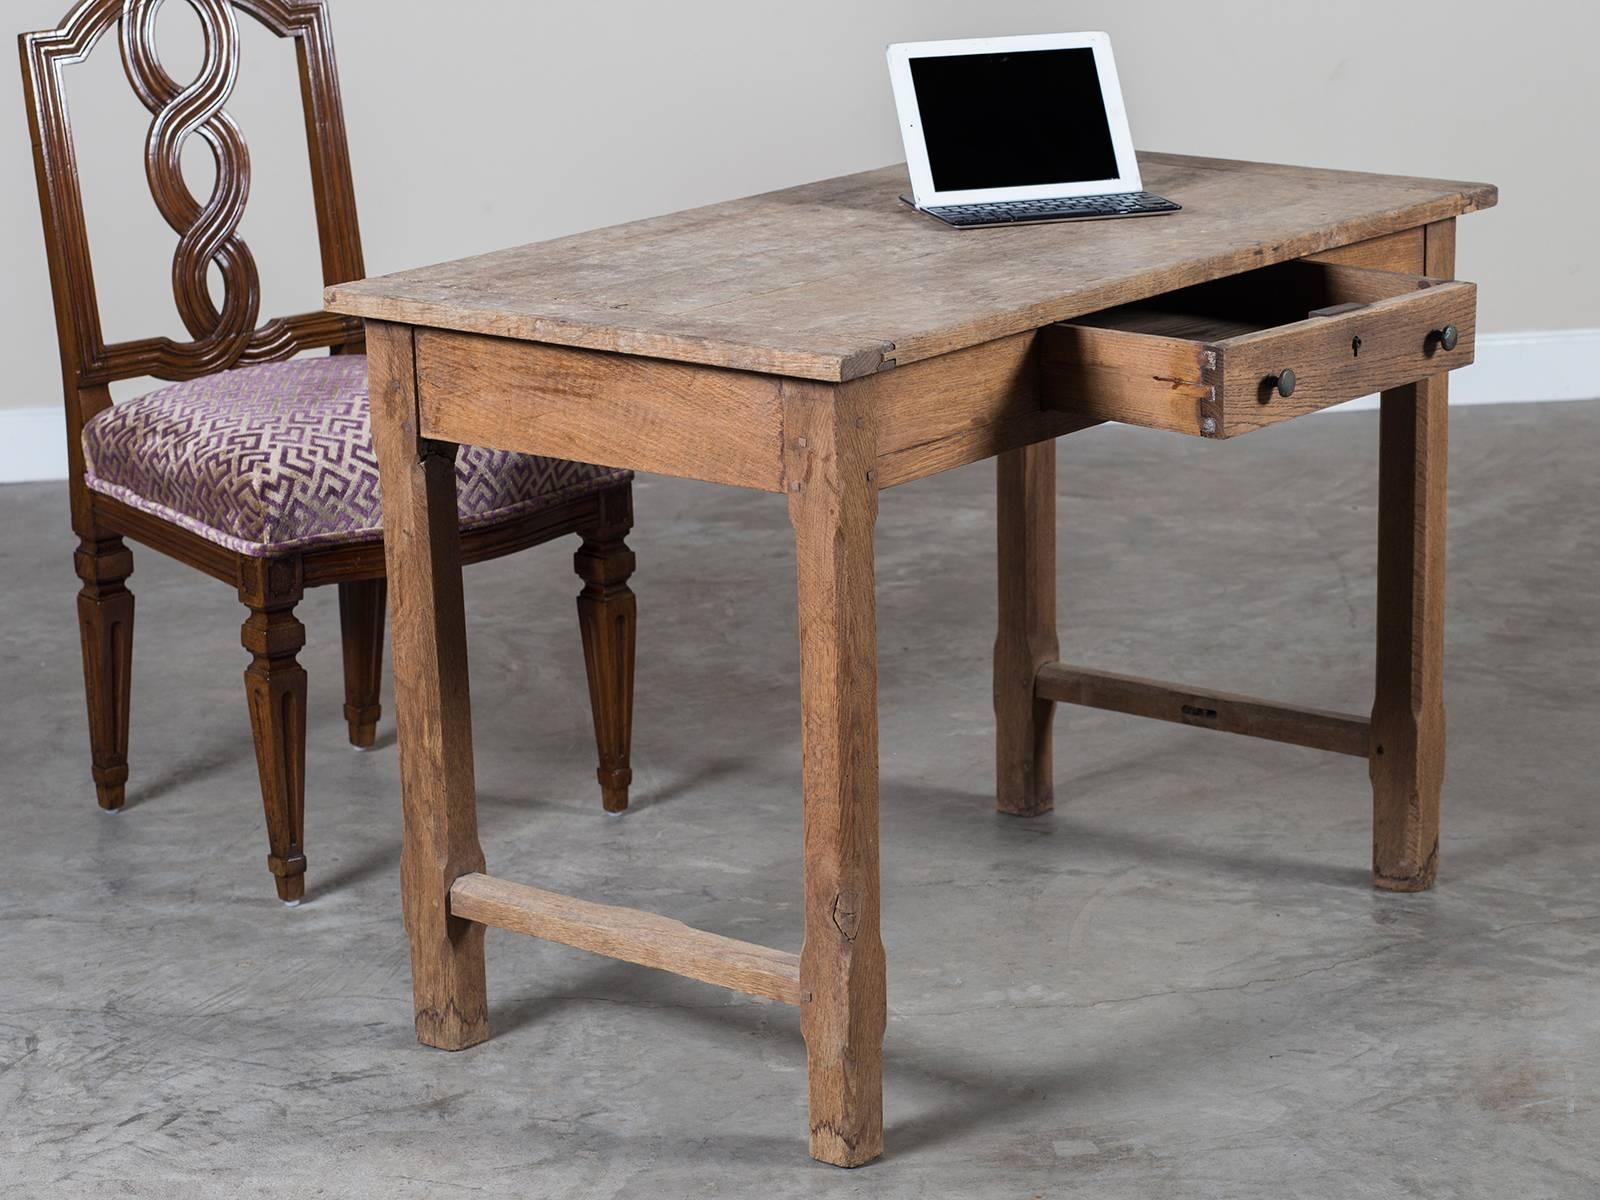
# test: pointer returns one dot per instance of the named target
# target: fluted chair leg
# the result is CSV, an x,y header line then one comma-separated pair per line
x,y
361,613
607,616
105,624
275,685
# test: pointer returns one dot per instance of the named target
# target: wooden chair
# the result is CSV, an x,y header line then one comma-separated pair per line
x,y
257,470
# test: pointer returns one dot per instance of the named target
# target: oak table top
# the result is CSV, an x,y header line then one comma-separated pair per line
x,y
838,279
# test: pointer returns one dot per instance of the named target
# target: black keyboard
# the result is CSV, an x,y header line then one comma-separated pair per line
x,y
1071,208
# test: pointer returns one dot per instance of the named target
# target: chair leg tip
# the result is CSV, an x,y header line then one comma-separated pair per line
x,y
614,800
363,736
291,889
110,796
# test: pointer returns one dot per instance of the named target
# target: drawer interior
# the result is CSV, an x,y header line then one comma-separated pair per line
x,y
1240,305
1240,353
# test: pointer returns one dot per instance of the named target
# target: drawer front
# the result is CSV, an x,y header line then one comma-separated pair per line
x,y
1246,352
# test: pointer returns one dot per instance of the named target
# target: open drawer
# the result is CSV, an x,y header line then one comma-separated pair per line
x,y
1234,355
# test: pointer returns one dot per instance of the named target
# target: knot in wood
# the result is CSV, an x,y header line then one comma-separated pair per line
x,y
846,917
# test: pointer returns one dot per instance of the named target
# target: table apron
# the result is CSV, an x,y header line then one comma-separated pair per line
x,y
720,425
616,410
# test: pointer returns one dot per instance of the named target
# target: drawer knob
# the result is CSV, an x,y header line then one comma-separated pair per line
x,y
1282,383
1447,338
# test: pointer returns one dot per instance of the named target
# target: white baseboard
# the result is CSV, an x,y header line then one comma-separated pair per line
x,y
1522,368
1511,368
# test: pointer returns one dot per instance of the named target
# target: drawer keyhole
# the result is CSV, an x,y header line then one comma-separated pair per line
x,y
1355,346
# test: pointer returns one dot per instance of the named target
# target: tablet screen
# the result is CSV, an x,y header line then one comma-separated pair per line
x,y
1017,119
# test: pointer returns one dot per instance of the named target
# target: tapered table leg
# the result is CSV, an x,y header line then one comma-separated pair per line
x,y
833,507
1407,755
422,547
1407,762
1025,516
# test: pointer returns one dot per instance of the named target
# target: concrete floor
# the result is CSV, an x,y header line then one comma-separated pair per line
x,y
1178,985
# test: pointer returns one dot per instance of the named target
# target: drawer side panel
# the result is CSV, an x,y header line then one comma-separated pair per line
x,y
1136,378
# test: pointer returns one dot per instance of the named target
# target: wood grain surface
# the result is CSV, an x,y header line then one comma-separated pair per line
x,y
438,795
1342,733
961,407
1025,634
1408,720
629,934
612,409
829,443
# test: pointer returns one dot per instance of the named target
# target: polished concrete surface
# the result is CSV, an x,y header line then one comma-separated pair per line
x,y
1178,985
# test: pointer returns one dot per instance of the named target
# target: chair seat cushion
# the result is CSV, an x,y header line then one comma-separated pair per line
x,y
278,458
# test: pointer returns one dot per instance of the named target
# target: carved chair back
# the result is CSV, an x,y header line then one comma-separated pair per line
x,y
207,229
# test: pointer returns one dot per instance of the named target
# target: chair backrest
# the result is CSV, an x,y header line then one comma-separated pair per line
x,y
207,229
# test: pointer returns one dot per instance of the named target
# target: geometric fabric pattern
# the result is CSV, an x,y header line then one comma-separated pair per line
x,y
278,457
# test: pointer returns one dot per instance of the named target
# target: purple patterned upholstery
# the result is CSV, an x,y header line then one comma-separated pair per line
x,y
279,457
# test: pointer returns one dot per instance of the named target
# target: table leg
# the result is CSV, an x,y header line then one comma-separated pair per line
x,y
422,544
1407,756
833,502
1407,763
1025,514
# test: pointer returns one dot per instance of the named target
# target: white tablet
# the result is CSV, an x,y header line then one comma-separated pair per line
x,y
1012,118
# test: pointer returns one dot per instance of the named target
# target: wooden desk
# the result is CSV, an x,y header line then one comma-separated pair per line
x,y
827,343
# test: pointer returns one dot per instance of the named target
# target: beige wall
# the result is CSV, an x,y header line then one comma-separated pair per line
x,y
528,119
